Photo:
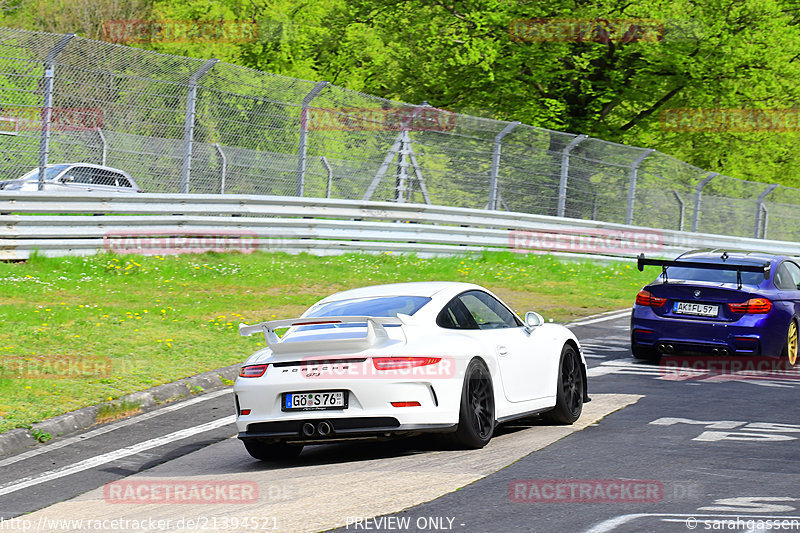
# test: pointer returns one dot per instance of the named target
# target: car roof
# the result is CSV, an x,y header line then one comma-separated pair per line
x,y
421,288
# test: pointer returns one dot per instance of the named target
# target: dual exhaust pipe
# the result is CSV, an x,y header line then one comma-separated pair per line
x,y
322,429
664,348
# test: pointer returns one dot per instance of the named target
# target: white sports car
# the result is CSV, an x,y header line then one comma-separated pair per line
x,y
401,359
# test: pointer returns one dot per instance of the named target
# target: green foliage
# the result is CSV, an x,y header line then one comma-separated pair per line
x,y
114,410
40,435
79,333
460,55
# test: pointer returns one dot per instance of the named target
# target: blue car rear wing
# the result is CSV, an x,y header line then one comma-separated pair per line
x,y
664,264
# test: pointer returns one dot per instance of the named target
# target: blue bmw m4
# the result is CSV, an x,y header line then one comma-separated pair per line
x,y
719,303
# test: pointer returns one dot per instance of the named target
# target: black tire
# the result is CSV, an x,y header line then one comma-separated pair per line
x,y
569,389
476,416
272,451
790,349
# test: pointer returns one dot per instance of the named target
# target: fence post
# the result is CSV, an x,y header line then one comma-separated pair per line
x,y
634,173
301,162
682,208
104,152
562,184
760,208
496,163
698,193
188,127
224,171
400,187
329,186
47,107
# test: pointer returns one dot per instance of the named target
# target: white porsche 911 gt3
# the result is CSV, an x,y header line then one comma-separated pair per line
x,y
402,359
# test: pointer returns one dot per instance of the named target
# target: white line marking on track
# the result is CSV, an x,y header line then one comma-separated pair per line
x,y
104,458
698,519
630,366
111,427
600,318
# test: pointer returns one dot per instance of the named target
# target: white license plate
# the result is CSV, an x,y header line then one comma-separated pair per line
x,y
690,308
314,401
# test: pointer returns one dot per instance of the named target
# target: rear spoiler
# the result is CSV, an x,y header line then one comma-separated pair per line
x,y
375,333
664,264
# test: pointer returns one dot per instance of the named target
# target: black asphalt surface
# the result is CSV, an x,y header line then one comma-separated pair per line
x,y
744,484
703,451
54,458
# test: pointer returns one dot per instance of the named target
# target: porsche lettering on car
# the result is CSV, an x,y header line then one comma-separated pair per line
x,y
403,359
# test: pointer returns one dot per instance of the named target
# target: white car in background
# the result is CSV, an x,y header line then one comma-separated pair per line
x,y
81,177
402,359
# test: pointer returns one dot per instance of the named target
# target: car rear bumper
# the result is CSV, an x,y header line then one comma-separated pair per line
x,y
372,405
753,336
317,431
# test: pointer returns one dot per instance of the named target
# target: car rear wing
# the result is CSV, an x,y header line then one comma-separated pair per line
x,y
664,264
376,333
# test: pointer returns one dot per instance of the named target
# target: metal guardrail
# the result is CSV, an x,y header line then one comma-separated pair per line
x,y
201,126
176,223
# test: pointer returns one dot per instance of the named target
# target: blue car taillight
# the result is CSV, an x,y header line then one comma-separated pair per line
x,y
645,298
752,306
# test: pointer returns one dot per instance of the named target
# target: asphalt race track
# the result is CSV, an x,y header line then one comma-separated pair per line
x,y
654,451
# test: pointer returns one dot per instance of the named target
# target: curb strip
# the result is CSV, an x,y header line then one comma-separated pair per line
x,y
16,440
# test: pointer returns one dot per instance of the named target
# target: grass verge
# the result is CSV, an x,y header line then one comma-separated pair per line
x,y
83,330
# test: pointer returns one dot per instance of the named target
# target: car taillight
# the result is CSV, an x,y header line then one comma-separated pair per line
x,y
252,371
753,306
645,298
395,363
405,404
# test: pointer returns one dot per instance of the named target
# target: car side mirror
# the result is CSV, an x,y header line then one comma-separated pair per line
x,y
67,179
533,320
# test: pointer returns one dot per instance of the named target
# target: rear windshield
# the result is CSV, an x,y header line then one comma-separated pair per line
x,y
388,306
712,276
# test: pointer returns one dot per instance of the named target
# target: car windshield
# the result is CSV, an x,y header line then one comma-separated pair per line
x,y
713,276
388,306
50,173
